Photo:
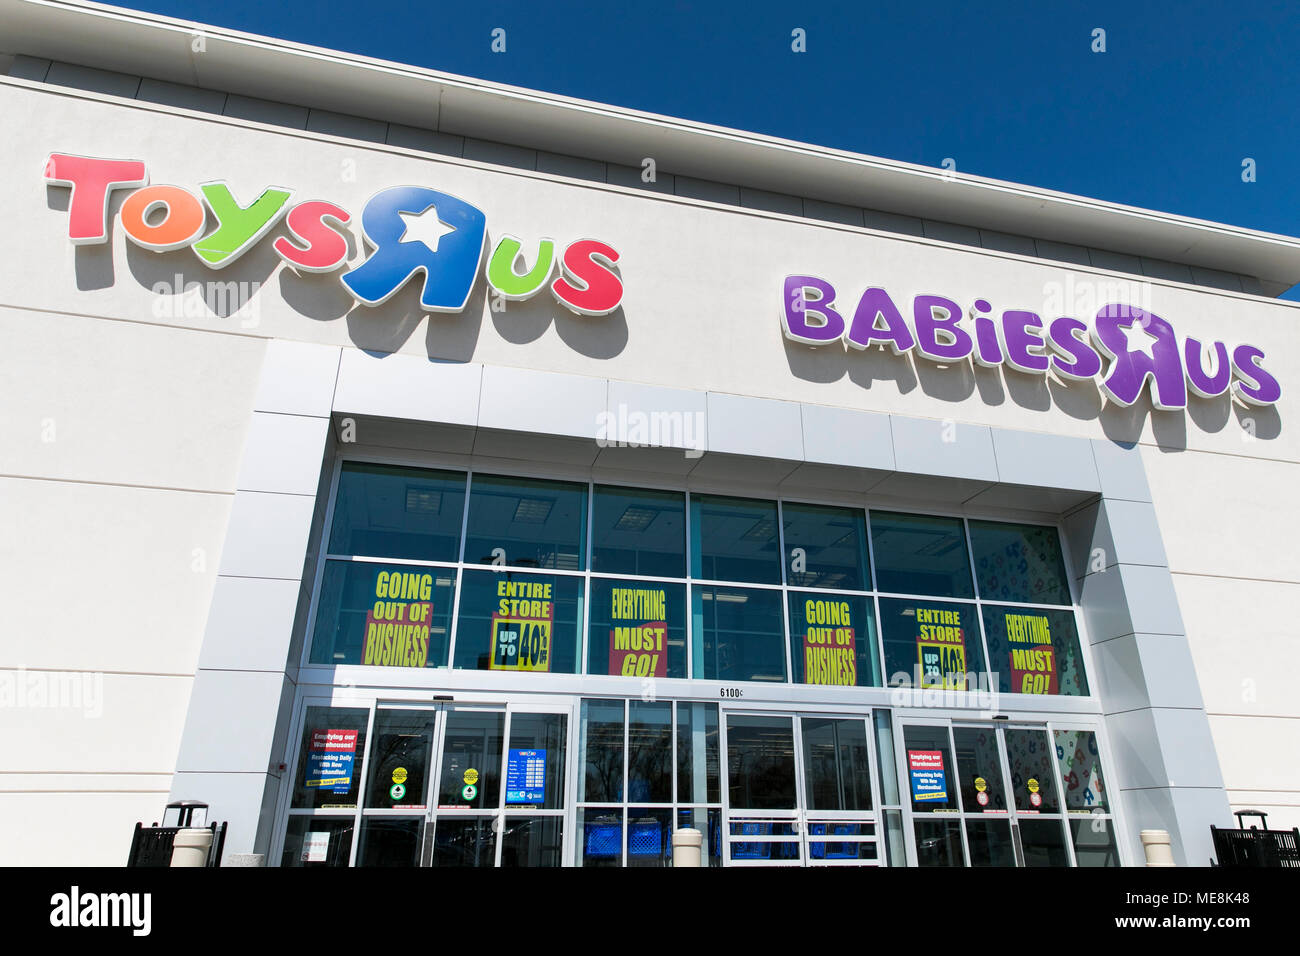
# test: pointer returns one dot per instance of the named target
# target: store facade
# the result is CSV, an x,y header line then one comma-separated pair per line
x,y
597,504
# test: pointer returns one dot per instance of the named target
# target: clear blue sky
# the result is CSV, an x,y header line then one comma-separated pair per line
x,y
1163,119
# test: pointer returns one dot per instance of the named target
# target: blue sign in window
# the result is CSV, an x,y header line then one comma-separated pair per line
x,y
526,776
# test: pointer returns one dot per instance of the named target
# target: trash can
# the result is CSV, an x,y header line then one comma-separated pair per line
x,y
192,847
686,846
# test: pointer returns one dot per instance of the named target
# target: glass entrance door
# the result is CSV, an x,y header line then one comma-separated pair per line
x,y
462,785
799,790
989,794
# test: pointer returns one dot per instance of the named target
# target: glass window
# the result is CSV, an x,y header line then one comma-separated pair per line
x,y
760,762
697,753
600,836
709,823
638,628
826,547
329,764
837,763
400,753
1094,842
920,554
990,843
833,639
938,843
885,757
1031,772
1019,562
535,524
510,621
1034,651
739,634
979,768
532,841
639,532
389,511
311,840
471,760
930,644
1076,752
735,539
602,752
388,615
465,841
649,836
650,752
390,841
929,772
1043,843
537,743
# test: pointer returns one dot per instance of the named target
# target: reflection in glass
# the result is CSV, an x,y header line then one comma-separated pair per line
x,y
1043,843
938,843
1094,842
464,841
931,644
635,531
833,639
600,836
519,623
1031,771
739,634
471,758
532,841
329,757
920,554
760,762
389,615
888,775
390,841
837,764
637,629
649,836
979,768
391,511
649,752
399,759
831,545
697,753
538,524
990,843
317,841
896,854
602,752
734,539
1085,788
1019,562
1034,650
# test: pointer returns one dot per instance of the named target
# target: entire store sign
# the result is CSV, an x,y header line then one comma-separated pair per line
x,y
409,229
1136,345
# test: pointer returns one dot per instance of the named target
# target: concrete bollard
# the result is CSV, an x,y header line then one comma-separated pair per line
x,y
1155,843
686,847
244,859
192,847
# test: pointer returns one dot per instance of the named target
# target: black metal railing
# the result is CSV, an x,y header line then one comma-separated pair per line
x,y
1255,846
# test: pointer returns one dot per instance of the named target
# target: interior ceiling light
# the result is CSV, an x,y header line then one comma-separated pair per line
x,y
762,530
533,510
422,501
635,518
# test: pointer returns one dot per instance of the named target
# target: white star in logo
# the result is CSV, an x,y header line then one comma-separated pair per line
x,y
425,227
1139,339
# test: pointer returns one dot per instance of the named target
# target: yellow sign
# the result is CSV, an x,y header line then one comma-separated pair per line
x,y
521,626
399,775
981,784
829,644
941,648
1033,785
397,625
471,776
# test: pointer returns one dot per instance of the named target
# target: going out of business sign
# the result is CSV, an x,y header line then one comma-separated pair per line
x,y
1123,348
